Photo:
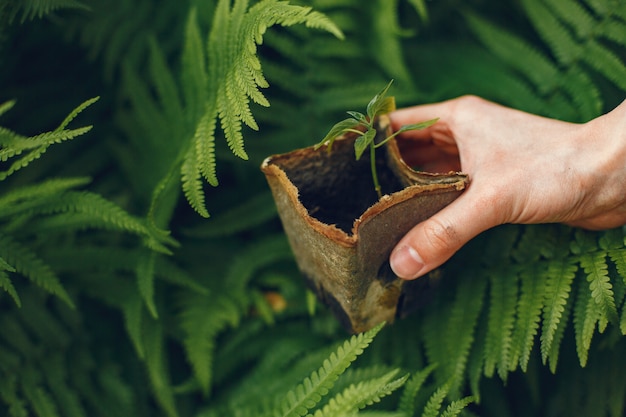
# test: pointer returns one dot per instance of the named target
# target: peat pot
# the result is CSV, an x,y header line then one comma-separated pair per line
x,y
341,233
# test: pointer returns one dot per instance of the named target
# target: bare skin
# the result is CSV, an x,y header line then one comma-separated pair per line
x,y
523,169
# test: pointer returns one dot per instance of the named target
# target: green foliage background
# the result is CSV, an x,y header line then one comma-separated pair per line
x,y
119,297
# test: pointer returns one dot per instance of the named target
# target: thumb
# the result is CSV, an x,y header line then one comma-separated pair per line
x,y
434,241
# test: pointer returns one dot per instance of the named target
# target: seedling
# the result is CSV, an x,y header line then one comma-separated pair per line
x,y
364,126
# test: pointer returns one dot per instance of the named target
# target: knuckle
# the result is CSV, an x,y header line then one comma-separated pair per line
x,y
440,236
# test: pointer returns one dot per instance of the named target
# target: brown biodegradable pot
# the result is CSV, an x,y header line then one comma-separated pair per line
x,y
341,233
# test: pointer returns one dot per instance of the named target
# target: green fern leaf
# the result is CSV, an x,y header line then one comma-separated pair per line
x,y
145,280
553,354
68,119
406,405
606,63
132,307
586,317
560,275
358,396
553,31
7,285
584,93
192,182
433,405
594,265
529,309
41,401
156,364
310,391
540,70
10,396
31,266
204,140
10,202
456,407
498,340
194,77
94,206
6,106
166,86
202,318
252,212
233,78
32,9
575,15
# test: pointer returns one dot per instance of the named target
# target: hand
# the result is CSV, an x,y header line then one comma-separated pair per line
x,y
522,168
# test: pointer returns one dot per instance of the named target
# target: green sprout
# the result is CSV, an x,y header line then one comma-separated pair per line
x,y
364,126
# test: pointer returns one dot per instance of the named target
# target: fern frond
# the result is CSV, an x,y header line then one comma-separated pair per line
x,y
13,145
193,77
98,208
202,318
553,354
252,212
434,403
456,407
31,9
508,47
596,269
132,308
74,113
361,395
31,266
7,285
6,106
560,275
503,295
11,200
167,90
40,400
606,62
575,15
308,393
204,140
529,309
460,331
553,31
232,79
156,364
192,182
406,405
586,317
145,280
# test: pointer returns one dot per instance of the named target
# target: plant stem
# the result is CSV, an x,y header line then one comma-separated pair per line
x,y
373,167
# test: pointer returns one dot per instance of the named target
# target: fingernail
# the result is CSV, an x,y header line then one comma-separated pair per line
x,y
406,262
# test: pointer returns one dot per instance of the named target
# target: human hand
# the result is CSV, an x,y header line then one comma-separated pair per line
x,y
523,169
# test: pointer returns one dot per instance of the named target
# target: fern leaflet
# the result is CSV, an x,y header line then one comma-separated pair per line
x,y
406,405
594,265
30,265
455,407
310,391
560,275
433,405
358,396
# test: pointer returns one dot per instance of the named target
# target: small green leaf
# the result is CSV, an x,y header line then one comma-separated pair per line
x,y
417,126
358,116
363,142
378,102
337,130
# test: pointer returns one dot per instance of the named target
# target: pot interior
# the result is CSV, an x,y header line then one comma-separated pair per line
x,y
334,187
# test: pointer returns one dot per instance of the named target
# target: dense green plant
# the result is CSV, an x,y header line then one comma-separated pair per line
x,y
117,298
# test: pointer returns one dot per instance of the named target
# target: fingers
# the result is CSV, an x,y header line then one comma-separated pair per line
x,y
432,242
